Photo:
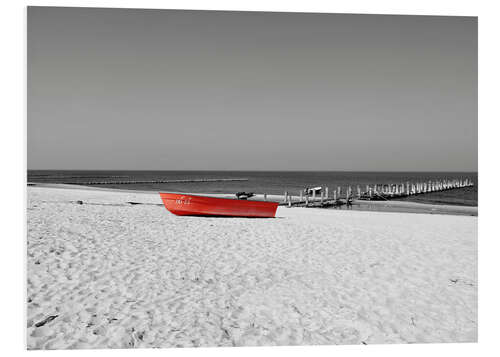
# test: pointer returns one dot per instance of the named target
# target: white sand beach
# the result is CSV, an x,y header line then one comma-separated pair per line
x,y
104,273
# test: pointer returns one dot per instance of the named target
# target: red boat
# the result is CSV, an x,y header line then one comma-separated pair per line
x,y
191,205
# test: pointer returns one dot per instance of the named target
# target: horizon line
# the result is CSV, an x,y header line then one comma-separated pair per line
x,y
254,170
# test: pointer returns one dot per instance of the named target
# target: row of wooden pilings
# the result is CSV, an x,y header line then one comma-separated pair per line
x,y
376,192
155,181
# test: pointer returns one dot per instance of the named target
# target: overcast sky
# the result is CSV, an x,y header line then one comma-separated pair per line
x,y
173,90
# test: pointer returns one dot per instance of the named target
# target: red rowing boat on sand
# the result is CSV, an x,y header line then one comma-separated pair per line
x,y
191,205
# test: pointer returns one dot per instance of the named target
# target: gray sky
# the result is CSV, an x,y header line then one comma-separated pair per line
x,y
173,90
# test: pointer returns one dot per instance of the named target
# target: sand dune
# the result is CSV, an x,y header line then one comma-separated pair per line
x,y
106,273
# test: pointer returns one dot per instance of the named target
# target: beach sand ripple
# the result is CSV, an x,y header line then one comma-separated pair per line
x,y
104,273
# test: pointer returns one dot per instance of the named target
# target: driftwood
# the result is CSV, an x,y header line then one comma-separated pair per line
x,y
244,195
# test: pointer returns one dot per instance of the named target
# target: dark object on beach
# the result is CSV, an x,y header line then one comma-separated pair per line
x,y
244,195
46,320
79,202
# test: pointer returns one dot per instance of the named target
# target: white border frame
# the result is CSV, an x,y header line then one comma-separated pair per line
x,y
13,148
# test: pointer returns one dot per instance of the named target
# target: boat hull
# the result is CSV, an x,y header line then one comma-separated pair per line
x,y
191,205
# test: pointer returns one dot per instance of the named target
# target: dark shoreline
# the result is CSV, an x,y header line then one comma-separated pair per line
x,y
396,206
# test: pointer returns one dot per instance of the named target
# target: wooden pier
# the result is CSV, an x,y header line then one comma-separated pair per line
x,y
376,192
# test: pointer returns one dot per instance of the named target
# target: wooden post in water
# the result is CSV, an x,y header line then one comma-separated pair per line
x,y
265,196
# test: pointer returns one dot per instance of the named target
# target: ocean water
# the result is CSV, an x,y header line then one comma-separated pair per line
x,y
270,182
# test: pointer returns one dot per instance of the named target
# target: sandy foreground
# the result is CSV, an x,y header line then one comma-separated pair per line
x,y
110,274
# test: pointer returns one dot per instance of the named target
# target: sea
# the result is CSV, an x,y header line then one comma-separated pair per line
x,y
270,182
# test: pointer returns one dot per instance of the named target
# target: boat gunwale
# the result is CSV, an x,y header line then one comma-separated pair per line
x,y
219,198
